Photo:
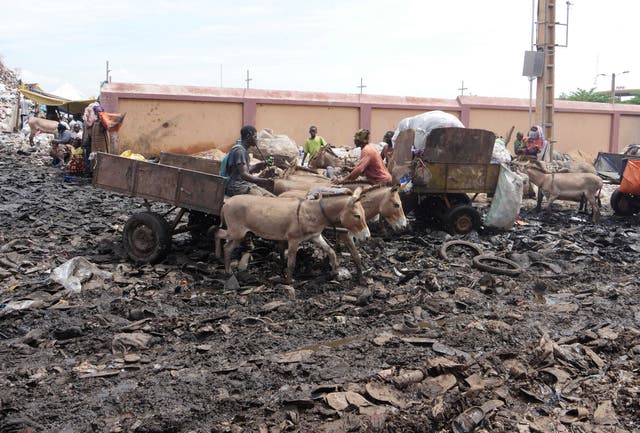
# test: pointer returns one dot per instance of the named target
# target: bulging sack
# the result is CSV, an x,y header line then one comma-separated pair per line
x,y
506,201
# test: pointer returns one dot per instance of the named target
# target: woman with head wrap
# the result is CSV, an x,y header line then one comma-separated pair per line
x,y
370,164
535,142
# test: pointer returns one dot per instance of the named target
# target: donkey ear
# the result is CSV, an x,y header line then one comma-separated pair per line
x,y
357,192
395,188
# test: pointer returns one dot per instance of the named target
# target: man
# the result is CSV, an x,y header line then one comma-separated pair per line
x,y
240,180
518,145
370,164
24,111
60,147
313,144
387,150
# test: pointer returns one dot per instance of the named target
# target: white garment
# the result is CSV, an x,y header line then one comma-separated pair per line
x,y
379,146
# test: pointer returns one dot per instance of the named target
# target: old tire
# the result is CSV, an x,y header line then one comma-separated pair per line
x,y
622,204
481,262
445,246
147,237
462,220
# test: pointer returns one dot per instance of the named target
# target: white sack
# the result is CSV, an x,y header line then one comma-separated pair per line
x,y
506,201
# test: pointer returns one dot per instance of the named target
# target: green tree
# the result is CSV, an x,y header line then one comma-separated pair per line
x,y
586,95
635,100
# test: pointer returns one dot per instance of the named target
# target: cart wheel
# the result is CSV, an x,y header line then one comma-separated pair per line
x,y
147,237
462,219
200,223
482,262
622,204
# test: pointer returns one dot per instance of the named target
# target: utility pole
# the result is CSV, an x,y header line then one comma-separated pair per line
x,y
108,71
361,86
248,79
546,42
462,89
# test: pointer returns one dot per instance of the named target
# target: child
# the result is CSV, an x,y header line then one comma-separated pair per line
x,y
76,164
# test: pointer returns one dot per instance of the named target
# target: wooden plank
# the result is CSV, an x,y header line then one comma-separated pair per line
x,y
173,185
205,165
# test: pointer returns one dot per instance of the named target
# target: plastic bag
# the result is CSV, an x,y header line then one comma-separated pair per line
x,y
506,201
500,153
424,123
630,183
76,271
129,154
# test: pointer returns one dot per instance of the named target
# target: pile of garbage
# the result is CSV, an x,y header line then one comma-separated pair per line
x,y
8,98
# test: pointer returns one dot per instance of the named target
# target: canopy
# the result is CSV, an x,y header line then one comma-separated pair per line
x,y
39,96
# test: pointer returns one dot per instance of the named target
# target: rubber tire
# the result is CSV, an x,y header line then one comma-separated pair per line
x,y
462,219
470,245
147,237
515,269
622,204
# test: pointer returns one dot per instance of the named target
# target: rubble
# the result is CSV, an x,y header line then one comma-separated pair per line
x,y
427,342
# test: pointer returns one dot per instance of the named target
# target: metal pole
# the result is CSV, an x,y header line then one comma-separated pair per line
x,y
613,88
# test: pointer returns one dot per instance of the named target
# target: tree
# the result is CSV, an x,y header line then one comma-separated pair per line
x,y
586,95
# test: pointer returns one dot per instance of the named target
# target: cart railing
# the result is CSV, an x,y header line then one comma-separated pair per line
x,y
180,187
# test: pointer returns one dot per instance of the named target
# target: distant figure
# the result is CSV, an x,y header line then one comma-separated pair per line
x,y
76,131
313,144
52,113
535,144
60,147
387,150
24,112
370,165
240,180
518,145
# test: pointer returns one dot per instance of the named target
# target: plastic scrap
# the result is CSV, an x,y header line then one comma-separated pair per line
x,y
76,271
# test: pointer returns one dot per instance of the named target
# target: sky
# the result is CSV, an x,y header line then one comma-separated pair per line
x,y
422,48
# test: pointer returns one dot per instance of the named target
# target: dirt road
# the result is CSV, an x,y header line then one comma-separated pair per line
x,y
424,345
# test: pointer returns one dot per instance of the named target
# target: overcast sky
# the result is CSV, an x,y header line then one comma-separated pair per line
x,y
423,48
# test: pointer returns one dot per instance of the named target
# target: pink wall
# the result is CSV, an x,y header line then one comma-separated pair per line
x,y
578,126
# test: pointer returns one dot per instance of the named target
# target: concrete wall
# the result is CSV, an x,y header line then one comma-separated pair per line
x,y
582,134
629,132
335,124
188,119
153,126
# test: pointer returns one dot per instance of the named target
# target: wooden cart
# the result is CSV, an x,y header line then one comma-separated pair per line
x,y
191,185
455,163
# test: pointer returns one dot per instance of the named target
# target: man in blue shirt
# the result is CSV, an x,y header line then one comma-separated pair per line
x,y
240,180
60,151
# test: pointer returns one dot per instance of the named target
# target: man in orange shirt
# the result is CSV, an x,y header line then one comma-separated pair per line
x,y
370,165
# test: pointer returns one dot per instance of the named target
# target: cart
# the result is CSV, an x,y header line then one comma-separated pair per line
x,y
199,194
609,166
455,162
625,203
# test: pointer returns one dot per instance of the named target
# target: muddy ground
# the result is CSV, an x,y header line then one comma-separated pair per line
x,y
424,344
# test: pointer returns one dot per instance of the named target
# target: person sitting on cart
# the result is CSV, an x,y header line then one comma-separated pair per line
x,y
240,180
519,145
370,164
534,142
387,150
